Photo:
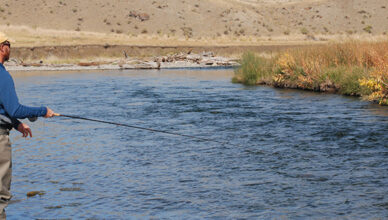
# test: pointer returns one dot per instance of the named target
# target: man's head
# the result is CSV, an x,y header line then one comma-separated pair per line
x,y
5,48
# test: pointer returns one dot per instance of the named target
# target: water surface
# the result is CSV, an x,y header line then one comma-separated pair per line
x,y
300,154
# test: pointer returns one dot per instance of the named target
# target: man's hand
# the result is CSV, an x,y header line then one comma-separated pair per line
x,y
25,130
50,113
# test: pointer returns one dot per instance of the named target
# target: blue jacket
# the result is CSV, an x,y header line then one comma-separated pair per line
x,y
9,103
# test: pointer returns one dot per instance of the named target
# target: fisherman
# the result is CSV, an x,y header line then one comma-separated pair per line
x,y
10,111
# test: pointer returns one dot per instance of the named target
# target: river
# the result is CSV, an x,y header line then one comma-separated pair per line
x,y
291,154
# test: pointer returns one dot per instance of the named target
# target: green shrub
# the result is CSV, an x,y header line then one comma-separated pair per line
x,y
304,31
334,74
350,82
253,70
368,29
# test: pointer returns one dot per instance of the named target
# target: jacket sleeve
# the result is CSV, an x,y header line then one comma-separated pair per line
x,y
15,123
11,103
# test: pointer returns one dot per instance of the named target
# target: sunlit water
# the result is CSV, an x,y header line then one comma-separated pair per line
x,y
300,154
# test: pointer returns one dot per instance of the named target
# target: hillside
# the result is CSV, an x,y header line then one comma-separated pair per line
x,y
197,20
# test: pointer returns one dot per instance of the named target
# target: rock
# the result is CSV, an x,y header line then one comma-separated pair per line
x,y
88,64
208,54
192,60
14,61
180,57
133,14
127,67
143,17
144,65
53,207
328,86
158,65
71,189
193,57
162,6
140,16
223,63
32,64
310,37
34,193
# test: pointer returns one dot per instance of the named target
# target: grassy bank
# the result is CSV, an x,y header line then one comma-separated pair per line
x,y
352,68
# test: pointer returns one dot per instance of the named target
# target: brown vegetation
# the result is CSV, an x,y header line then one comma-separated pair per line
x,y
352,68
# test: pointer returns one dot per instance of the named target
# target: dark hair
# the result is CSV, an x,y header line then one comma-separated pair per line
x,y
6,43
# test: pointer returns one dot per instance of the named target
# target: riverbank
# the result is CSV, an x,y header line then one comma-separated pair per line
x,y
106,57
352,68
178,60
82,53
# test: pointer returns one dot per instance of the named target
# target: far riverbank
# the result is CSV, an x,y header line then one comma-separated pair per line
x,y
112,57
82,53
173,61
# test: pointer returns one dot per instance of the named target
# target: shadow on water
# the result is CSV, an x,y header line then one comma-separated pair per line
x,y
301,153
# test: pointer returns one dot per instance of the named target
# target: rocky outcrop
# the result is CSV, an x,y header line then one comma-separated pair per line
x,y
204,59
178,60
140,16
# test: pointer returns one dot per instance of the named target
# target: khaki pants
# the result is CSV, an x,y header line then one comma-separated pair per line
x,y
5,171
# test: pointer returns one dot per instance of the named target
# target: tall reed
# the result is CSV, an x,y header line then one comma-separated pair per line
x,y
253,70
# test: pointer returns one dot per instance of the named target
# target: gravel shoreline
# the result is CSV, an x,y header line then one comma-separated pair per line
x,y
179,60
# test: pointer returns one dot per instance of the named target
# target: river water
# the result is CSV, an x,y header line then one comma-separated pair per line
x,y
292,154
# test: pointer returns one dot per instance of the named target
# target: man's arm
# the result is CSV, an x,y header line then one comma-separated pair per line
x,y
11,103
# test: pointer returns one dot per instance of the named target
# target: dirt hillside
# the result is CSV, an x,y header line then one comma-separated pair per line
x,y
313,20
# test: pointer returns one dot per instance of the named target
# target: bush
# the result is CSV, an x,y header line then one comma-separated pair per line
x,y
253,70
304,31
377,83
349,82
368,29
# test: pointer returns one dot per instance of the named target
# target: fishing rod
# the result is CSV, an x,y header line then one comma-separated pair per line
x,y
143,128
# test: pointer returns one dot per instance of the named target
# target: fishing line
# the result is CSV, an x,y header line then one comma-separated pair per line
x,y
143,128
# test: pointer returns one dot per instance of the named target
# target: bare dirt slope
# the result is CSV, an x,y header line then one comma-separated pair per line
x,y
200,19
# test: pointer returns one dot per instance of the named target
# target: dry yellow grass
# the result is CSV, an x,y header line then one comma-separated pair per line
x,y
23,36
351,68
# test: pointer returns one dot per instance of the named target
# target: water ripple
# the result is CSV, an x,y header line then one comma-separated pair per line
x,y
302,155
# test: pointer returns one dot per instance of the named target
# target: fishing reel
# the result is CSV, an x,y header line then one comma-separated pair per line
x,y
33,119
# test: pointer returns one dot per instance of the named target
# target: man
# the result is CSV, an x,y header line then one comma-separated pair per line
x,y
10,111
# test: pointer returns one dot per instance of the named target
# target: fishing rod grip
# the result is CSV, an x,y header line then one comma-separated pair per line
x,y
33,119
